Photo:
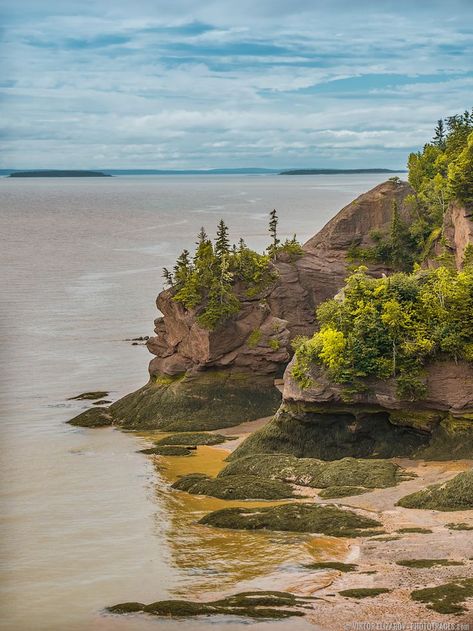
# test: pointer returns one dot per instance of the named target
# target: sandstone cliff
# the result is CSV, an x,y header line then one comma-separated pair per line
x,y
454,237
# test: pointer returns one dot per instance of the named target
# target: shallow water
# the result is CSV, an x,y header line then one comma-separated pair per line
x,y
87,521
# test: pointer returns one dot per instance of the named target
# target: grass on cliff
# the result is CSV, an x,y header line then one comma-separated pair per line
x,y
237,487
254,605
193,439
348,472
326,520
448,598
456,494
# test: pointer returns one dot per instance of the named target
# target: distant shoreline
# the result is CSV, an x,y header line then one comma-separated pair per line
x,y
168,172
56,173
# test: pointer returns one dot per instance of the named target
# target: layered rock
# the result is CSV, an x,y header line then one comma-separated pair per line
x,y
454,237
323,421
202,379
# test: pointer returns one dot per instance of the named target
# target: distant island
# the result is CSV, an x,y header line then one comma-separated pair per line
x,y
336,171
61,173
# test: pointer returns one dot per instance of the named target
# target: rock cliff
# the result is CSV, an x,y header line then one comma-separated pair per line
x,y
454,237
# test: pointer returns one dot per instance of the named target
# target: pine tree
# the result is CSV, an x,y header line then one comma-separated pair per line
x,y
241,245
201,237
222,242
439,138
182,268
168,279
273,231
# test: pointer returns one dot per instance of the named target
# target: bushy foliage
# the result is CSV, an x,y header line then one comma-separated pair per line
x,y
441,172
209,280
389,327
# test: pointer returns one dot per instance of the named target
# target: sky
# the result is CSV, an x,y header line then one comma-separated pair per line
x,y
218,83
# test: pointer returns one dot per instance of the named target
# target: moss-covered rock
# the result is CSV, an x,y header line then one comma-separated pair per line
x,y
332,492
329,433
318,474
95,417
193,439
205,401
90,396
447,598
327,520
456,494
422,564
238,487
167,450
459,526
254,605
364,592
332,565
329,436
414,530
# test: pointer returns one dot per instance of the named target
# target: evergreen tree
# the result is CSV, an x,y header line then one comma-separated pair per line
x,y
201,237
222,242
168,279
439,138
273,231
182,268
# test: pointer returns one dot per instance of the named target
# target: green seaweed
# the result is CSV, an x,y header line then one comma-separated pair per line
x,y
456,494
447,598
316,473
234,487
167,450
90,396
426,563
415,529
459,526
193,439
322,519
95,417
254,605
332,565
364,592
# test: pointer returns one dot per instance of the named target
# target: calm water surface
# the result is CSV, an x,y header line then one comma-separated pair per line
x,y
86,520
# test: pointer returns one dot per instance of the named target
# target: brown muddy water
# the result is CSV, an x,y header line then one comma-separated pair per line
x,y
87,521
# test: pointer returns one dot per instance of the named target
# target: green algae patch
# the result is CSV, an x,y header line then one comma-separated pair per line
x,y
332,565
415,529
208,400
193,439
95,417
239,487
167,450
459,526
447,598
426,563
332,492
318,474
456,494
90,396
364,592
386,539
314,518
254,605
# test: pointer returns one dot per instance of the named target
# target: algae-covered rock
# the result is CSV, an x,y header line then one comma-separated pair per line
x,y
332,565
321,519
422,564
90,396
364,592
332,492
456,494
239,487
167,450
254,605
182,403
447,598
330,435
95,417
193,439
318,474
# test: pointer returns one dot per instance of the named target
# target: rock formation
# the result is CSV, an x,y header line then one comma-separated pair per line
x,y
454,237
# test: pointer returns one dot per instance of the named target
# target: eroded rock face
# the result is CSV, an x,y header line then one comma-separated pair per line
x,y
455,236
321,421
257,340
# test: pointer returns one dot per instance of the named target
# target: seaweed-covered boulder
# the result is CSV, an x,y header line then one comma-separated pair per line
x,y
95,417
236,487
456,494
193,439
254,605
314,518
315,473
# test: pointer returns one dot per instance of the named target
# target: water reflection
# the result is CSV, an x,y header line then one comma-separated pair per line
x,y
211,560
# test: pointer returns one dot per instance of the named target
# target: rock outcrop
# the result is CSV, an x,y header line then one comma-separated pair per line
x,y
454,236
322,421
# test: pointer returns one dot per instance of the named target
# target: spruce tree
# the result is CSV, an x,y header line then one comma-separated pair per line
x,y
273,231
222,242
182,268
168,279
439,138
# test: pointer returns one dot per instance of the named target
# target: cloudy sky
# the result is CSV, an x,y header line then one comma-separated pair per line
x,y
219,83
